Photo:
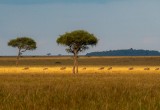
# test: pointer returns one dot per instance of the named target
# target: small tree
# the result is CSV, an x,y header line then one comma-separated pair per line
x,y
77,41
23,44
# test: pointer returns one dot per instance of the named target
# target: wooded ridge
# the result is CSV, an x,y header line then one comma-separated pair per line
x,y
125,52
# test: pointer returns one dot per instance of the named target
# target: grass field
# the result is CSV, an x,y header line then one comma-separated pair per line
x,y
86,65
80,92
42,83
83,61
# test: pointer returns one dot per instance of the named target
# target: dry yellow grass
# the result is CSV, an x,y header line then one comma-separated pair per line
x,y
88,69
103,83
80,92
63,65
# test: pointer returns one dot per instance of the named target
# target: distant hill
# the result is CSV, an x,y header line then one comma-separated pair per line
x,y
125,52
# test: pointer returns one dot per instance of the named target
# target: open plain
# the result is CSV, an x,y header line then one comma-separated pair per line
x,y
103,83
86,65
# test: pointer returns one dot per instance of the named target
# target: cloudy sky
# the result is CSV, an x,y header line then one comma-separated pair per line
x,y
118,24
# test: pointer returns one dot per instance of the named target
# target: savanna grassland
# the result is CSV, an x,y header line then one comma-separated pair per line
x,y
80,92
47,83
83,61
86,65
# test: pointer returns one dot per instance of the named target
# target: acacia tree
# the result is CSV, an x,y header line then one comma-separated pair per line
x,y
77,41
23,44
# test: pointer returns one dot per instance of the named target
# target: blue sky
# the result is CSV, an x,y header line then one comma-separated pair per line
x,y
51,1
119,24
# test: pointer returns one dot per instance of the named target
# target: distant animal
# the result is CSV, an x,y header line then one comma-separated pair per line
x,y
157,69
26,68
101,68
146,68
57,62
131,68
84,68
110,68
45,68
63,68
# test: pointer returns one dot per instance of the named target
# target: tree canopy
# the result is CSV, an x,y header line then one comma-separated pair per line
x,y
25,43
77,41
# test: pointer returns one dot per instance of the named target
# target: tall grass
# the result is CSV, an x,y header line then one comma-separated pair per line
x,y
80,92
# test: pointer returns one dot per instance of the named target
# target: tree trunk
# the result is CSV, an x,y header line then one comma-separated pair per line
x,y
74,64
19,53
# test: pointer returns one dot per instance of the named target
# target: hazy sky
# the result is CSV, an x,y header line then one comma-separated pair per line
x,y
118,24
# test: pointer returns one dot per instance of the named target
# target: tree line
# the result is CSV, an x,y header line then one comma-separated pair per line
x,y
125,52
75,41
